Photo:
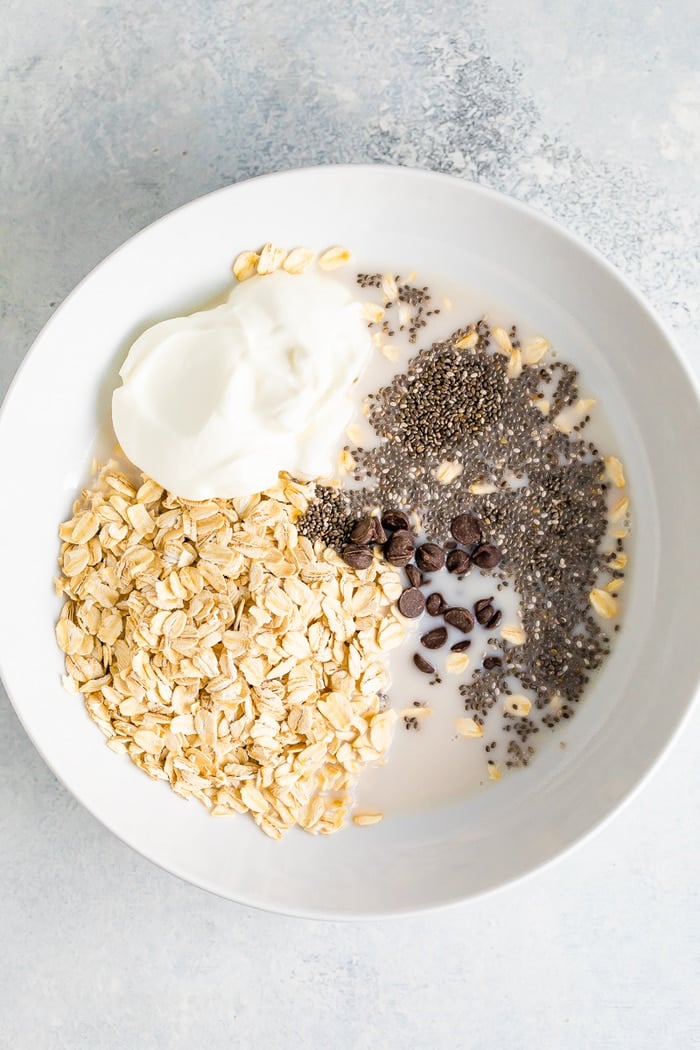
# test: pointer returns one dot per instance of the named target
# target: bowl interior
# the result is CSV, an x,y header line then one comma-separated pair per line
x,y
56,418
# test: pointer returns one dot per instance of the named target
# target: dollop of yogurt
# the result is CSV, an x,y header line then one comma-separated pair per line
x,y
216,404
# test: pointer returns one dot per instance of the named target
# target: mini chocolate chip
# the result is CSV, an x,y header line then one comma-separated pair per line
x,y
394,519
357,556
484,610
399,549
414,577
495,619
363,530
430,557
434,639
486,556
411,603
450,545
379,533
423,664
492,661
459,562
462,619
461,647
466,528
436,604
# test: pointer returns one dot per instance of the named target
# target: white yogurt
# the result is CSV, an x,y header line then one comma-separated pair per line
x,y
216,404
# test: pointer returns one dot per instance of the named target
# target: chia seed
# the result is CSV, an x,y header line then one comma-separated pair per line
x,y
413,296
328,517
547,516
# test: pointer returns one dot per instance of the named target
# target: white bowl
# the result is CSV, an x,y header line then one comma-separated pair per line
x,y
57,410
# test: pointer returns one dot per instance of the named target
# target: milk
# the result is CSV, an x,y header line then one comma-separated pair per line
x,y
435,765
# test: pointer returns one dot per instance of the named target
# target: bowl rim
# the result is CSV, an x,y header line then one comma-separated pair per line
x,y
427,176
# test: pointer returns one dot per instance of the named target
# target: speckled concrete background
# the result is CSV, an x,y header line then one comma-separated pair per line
x,y
111,115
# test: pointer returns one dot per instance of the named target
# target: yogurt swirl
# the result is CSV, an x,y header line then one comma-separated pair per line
x,y
216,404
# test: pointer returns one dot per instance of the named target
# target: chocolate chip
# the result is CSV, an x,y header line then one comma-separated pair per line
x,y
462,619
466,528
430,557
423,664
492,661
399,549
484,610
461,647
495,619
363,531
394,519
414,577
459,562
357,556
486,556
411,603
379,533
450,545
434,639
436,604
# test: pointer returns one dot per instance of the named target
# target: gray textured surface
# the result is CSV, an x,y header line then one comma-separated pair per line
x,y
112,114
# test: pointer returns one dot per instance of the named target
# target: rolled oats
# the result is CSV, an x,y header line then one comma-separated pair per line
x,y
503,343
515,364
389,287
346,463
225,653
469,728
418,712
535,350
619,510
245,265
448,470
334,257
372,312
482,488
456,663
615,471
515,704
364,819
298,260
271,258
604,603
513,634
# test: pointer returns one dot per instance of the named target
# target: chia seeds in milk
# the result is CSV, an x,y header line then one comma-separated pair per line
x,y
481,484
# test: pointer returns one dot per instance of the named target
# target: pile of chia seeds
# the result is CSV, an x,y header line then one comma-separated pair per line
x,y
547,516
416,299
